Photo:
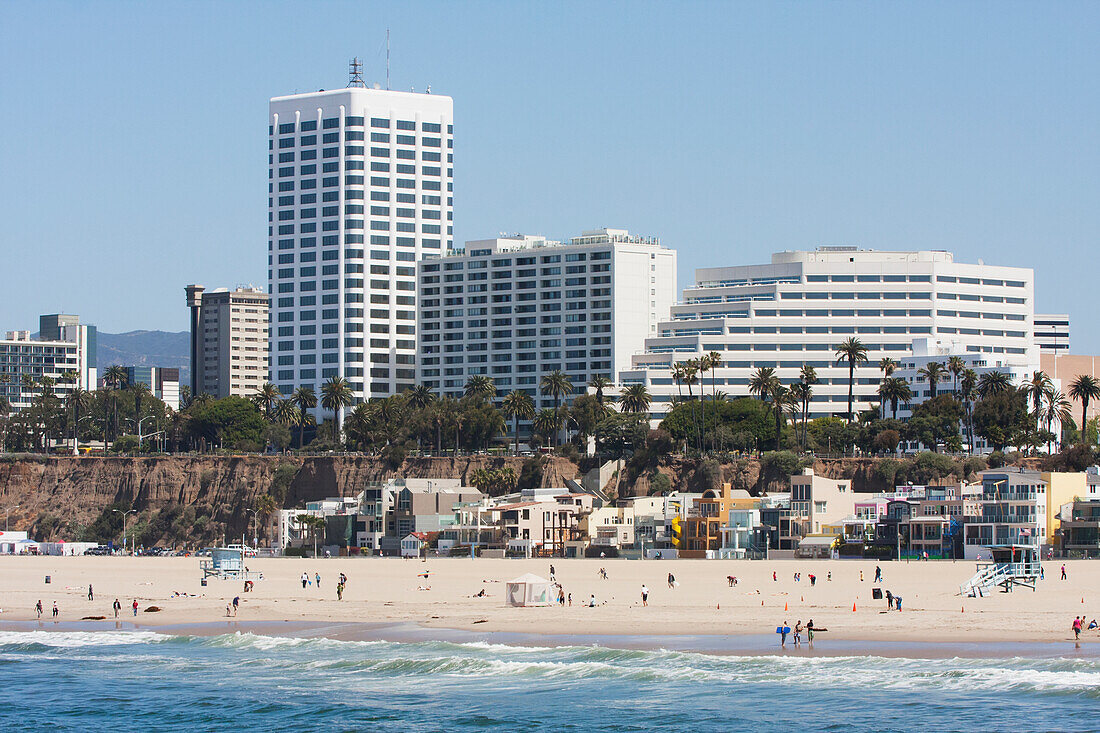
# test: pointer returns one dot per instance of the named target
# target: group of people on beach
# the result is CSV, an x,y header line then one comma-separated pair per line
x,y
783,630
56,611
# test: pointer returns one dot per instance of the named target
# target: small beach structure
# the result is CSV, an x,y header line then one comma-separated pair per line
x,y
226,563
529,590
1009,566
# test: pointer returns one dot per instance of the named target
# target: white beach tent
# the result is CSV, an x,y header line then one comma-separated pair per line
x,y
528,590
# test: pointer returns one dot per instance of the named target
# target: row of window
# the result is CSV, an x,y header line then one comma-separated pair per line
x,y
332,123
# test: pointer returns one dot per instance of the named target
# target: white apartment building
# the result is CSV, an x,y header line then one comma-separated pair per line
x,y
516,308
799,308
360,187
1052,333
229,330
1019,368
62,349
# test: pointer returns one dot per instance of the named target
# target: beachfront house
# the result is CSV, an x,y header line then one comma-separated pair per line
x,y
1011,511
816,501
1079,528
610,526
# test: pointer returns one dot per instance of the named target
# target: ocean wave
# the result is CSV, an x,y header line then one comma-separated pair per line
x,y
43,640
320,658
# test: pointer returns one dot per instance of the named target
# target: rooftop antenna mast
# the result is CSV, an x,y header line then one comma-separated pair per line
x,y
387,59
356,73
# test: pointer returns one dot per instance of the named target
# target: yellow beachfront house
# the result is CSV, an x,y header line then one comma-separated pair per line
x,y
1062,488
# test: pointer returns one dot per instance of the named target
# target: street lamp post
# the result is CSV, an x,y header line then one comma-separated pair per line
x,y
139,422
6,513
124,516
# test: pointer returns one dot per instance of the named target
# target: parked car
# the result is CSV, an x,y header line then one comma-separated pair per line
x,y
100,550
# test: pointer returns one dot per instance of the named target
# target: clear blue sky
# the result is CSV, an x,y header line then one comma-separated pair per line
x,y
134,155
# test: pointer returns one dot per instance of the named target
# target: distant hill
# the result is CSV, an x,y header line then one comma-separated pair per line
x,y
146,348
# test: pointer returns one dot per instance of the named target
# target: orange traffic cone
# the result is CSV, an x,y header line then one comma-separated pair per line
x,y
784,606
761,603
962,610
718,607
853,608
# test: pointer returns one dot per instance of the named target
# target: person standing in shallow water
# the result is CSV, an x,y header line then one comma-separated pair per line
x,y
117,607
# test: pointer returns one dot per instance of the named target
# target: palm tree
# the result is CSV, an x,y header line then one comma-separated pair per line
x,y
956,365
480,387
798,395
991,383
933,372
336,394
1055,406
968,390
557,385
895,390
808,378
114,377
635,398
265,505
304,399
419,396
689,371
285,413
547,422
1084,389
781,396
5,412
1036,389
887,366
266,397
709,363
854,352
78,401
761,382
518,405
599,383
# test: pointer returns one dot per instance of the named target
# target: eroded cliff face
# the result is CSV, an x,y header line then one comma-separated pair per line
x,y
72,492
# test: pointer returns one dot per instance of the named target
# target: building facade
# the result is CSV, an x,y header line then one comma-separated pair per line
x,y
796,310
1052,333
359,189
516,308
229,340
163,382
64,352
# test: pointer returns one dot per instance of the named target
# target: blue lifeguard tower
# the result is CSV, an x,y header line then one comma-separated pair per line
x,y
1008,567
225,563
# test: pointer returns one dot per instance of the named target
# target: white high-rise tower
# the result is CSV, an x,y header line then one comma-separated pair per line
x,y
360,187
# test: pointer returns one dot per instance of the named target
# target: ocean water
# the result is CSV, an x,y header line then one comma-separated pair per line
x,y
141,680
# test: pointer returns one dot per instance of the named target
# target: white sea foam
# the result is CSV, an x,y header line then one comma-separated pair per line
x,y
77,639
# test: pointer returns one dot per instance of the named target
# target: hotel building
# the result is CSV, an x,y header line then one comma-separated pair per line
x,y
516,308
359,189
800,307
1052,333
229,330
63,346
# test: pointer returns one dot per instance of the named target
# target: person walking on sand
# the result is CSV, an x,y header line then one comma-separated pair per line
x,y
117,607
671,580
645,595
55,611
889,601
91,595
1063,571
340,591
317,577
135,606
775,579
1076,628
305,579
343,579
552,578
236,604
38,608
878,574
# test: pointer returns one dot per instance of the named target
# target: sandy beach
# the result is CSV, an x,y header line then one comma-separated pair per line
x,y
389,591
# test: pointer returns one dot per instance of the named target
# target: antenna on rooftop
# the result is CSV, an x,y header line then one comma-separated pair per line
x,y
387,59
356,74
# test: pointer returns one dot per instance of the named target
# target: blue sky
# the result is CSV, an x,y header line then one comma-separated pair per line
x,y
135,151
